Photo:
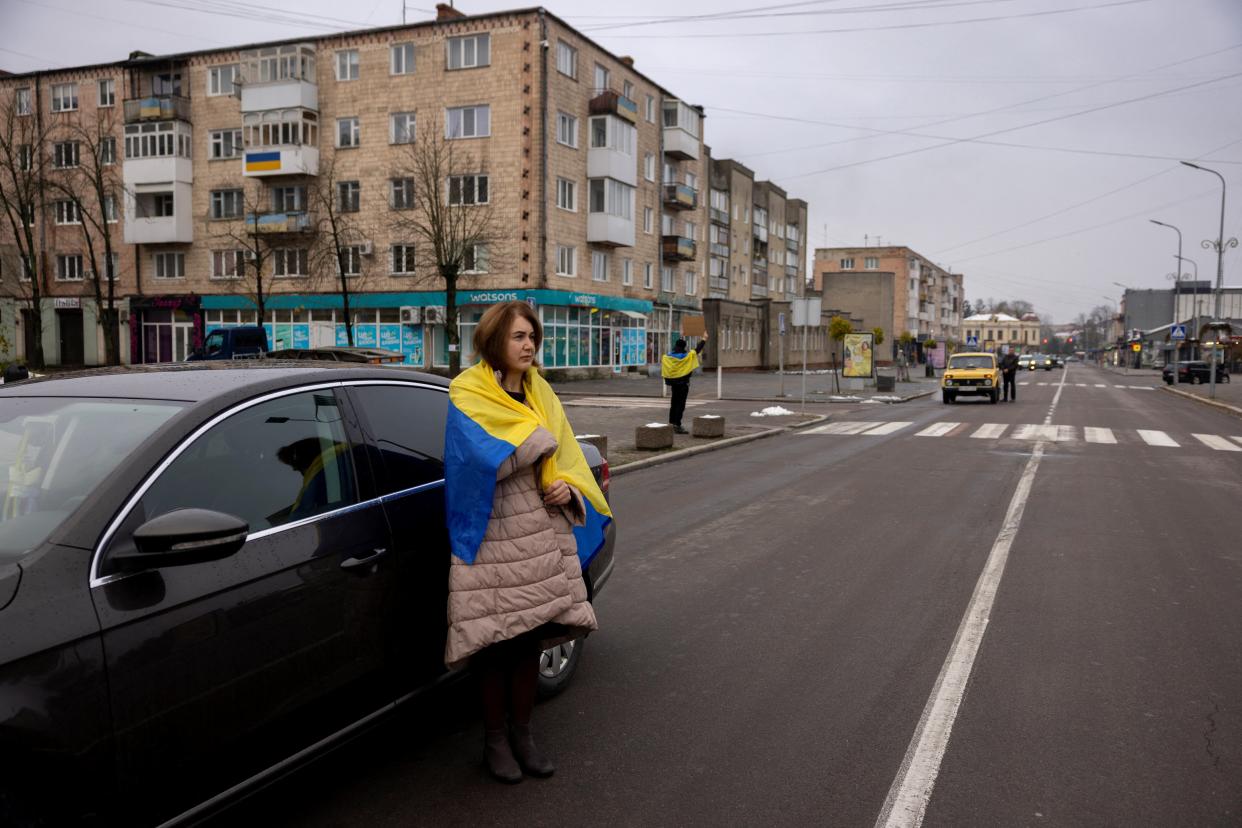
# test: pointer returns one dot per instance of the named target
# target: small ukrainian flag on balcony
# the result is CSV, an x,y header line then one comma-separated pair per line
x,y
262,161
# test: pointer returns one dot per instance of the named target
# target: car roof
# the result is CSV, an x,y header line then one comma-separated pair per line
x,y
199,381
970,353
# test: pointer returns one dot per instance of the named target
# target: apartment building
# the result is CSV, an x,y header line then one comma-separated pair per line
x,y
992,330
895,288
228,164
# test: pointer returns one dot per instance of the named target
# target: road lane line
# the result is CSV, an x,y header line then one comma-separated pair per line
x,y
989,431
886,428
1157,438
911,791
1024,383
1041,383
1218,443
1099,435
1237,439
1142,387
1100,385
937,429
1081,384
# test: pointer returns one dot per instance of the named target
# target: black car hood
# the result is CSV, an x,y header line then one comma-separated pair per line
x,y
10,577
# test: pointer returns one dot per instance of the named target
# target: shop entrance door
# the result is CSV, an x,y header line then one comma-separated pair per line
x,y
69,323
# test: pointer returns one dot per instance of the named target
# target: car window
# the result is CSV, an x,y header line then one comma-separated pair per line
x,y
55,451
214,343
407,426
270,464
966,362
249,339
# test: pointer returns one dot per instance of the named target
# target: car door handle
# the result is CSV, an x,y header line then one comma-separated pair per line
x,y
362,565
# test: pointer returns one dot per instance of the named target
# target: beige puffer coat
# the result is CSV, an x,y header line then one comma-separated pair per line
x,y
526,572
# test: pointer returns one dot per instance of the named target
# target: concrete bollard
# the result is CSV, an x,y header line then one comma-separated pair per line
x,y
707,425
653,436
600,441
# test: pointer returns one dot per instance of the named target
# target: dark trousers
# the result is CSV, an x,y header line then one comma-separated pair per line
x,y
1011,387
680,392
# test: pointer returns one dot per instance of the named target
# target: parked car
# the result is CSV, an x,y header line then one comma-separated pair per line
x,y
1195,371
210,572
971,374
1059,361
241,342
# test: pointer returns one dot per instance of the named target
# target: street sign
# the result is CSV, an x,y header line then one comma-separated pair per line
x,y
781,321
806,311
972,342
1178,332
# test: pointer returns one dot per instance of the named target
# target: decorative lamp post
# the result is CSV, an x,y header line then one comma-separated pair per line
x,y
1219,246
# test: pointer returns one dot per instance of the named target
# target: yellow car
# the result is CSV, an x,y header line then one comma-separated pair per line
x,y
976,374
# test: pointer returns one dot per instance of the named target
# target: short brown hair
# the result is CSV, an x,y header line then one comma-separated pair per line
x,y
492,333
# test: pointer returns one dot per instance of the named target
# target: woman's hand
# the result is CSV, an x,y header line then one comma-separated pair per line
x,y
558,494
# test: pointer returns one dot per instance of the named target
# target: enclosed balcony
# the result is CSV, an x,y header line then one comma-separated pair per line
x,y
682,129
719,216
759,283
278,77
678,248
680,197
159,214
792,271
608,230
611,102
612,152
157,108
277,224
275,161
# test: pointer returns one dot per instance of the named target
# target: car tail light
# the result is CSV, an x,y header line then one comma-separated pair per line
x,y
605,478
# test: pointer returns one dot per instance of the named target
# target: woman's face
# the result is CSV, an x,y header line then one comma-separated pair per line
x,y
520,349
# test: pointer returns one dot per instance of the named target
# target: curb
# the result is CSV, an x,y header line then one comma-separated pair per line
x,y
681,454
1232,409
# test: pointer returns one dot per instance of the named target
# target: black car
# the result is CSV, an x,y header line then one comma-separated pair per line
x,y
212,572
1195,372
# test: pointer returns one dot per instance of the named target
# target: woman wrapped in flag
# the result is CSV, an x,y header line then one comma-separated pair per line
x,y
516,486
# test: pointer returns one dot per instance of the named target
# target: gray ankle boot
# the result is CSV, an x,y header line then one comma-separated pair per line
x,y
498,757
532,760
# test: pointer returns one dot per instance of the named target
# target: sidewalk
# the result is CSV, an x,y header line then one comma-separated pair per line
x,y
1227,393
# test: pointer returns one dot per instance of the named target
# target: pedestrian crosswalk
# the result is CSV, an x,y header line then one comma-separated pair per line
x,y
1029,432
625,402
1089,385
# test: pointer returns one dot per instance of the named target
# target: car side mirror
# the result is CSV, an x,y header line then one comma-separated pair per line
x,y
181,537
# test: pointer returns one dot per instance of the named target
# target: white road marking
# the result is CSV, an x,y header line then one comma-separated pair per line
x,y
1218,443
937,429
1099,435
1081,384
1142,387
1237,439
1100,385
886,428
1157,438
1041,383
625,402
1050,433
1024,383
843,427
989,431
911,790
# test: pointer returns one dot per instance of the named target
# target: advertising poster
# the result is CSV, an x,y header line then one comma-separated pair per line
x,y
859,351
412,344
390,337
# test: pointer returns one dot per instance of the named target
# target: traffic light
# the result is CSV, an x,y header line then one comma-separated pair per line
x,y
1071,340
1045,340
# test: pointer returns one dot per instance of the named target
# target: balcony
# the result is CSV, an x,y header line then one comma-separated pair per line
x,y
792,271
759,260
159,230
158,213
719,216
610,102
719,249
759,231
680,197
678,248
791,245
608,230
277,224
680,144
287,160
757,289
157,108
278,77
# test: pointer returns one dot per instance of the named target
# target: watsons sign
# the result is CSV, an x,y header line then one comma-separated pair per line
x,y
490,297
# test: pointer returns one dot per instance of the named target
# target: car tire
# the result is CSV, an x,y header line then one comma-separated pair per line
x,y
947,397
557,666
1194,380
995,397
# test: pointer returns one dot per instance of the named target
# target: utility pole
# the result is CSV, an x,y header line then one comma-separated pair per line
x,y
1220,244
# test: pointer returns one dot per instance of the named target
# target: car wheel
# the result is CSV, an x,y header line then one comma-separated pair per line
x,y
947,397
995,397
556,667
1194,380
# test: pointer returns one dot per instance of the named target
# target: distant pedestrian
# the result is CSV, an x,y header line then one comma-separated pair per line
x,y
676,368
516,485
1009,375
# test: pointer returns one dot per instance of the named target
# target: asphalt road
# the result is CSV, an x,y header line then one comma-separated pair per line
x,y
782,610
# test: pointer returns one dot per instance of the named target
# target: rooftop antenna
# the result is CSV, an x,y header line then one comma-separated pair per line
x,y
866,240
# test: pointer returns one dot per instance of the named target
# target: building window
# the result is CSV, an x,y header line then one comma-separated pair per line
x,y
567,130
288,199
566,260
226,204
648,276
169,265
113,267
599,266
401,58
401,128
21,101
347,65
871,263
220,80
467,189
25,157
468,122
154,205
607,195
347,132
667,225
566,59
226,264
402,259
648,220
651,109
649,166
691,283
107,151
290,261
692,231
610,132
349,196
402,194
111,216
666,279
469,51
847,264
163,139
66,154
107,92
627,271
477,259
69,268
67,212
226,143
349,260
627,89
64,97
601,78
567,194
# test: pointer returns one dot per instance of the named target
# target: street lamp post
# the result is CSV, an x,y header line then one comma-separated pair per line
x,y
1220,244
1176,284
1124,358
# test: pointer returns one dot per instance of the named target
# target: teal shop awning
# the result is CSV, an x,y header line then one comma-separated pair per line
x,y
323,301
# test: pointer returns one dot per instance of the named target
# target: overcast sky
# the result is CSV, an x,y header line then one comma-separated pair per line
x,y
1024,143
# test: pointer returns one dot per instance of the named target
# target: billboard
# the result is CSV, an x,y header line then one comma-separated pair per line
x,y
859,350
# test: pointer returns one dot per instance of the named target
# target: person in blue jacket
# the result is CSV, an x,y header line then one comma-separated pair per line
x,y
676,368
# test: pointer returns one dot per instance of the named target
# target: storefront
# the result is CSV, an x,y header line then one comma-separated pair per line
x,y
164,328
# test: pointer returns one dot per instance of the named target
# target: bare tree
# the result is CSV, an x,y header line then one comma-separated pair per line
x,y
451,219
340,236
23,157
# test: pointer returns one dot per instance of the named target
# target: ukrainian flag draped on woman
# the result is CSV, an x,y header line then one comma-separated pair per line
x,y
485,425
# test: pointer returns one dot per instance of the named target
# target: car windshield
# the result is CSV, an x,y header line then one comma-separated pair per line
x,y
964,362
55,450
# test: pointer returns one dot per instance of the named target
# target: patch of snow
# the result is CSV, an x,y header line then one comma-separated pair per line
x,y
586,436
656,425
708,417
772,411
841,398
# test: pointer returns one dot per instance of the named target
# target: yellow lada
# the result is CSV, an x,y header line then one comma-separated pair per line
x,y
976,374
